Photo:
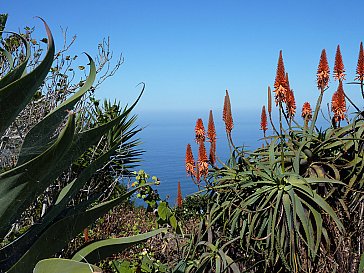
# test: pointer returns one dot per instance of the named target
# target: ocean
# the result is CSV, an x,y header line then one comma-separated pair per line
x,y
166,135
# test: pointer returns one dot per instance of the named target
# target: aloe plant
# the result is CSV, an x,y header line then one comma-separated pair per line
x,y
44,156
298,199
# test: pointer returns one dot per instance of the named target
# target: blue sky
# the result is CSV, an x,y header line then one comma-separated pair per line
x,y
189,52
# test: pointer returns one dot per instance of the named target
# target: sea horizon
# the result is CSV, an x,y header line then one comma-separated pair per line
x,y
166,134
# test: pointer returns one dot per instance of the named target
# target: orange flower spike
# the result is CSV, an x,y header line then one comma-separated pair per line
x,y
269,100
323,72
179,195
307,111
211,132
227,116
199,131
280,84
339,65
263,120
291,104
360,65
190,162
211,135
338,104
203,166
290,100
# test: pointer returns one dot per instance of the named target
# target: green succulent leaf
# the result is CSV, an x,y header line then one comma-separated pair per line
x,y
21,184
21,244
10,60
58,234
15,95
361,265
40,135
103,249
57,265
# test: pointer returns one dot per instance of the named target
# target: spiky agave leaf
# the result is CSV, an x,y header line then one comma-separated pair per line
x,y
14,95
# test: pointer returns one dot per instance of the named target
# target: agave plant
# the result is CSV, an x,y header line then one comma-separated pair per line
x,y
43,157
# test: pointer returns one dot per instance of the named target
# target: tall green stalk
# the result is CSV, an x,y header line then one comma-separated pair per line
x,y
281,135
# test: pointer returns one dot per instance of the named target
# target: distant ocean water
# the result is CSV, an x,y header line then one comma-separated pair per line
x,y
166,135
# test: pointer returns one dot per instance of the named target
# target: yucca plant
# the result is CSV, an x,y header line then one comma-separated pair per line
x,y
297,203
46,153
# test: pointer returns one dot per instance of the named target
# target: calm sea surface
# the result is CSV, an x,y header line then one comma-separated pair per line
x,y
165,138
166,135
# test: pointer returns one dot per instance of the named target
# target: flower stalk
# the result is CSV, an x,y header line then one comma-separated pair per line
x,y
270,110
211,136
179,195
323,75
228,118
306,114
360,69
263,121
338,104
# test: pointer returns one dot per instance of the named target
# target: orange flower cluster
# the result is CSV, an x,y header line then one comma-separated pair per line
x,y
338,104
203,166
227,116
263,120
211,135
190,162
339,66
179,195
360,65
307,111
323,72
290,100
199,131
280,83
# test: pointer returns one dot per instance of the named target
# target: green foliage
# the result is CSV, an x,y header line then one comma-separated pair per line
x,y
146,265
49,149
165,214
3,19
210,256
146,193
123,266
193,206
126,156
56,265
100,250
361,265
